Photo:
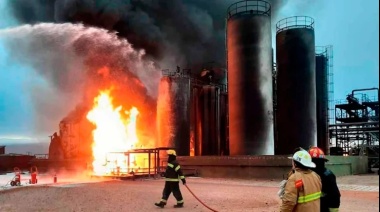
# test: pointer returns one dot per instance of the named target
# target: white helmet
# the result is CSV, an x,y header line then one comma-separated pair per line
x,y
304,158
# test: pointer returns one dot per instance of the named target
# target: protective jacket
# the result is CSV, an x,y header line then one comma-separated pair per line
x,y
173,172
330,200
302,192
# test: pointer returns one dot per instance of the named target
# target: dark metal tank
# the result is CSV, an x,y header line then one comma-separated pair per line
x,y
321,80
210,119
173,113
296,93
249,59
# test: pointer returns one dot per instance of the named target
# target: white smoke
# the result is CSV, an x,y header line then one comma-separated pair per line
x,y
65,57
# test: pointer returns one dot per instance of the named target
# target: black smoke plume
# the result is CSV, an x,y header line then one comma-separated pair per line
x,y
188,33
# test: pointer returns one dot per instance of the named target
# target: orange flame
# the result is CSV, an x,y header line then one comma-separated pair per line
x,y
113,135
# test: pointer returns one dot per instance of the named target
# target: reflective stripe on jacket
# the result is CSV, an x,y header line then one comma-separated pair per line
x,y
302,192
173,172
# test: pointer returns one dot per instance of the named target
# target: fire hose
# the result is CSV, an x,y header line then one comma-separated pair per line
x,y
200,200
5,186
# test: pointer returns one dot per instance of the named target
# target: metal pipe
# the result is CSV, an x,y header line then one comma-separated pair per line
x,y
149,164
355,123
356,129
365,89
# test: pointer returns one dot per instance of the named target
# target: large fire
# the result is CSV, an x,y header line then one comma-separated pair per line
x,y
115,133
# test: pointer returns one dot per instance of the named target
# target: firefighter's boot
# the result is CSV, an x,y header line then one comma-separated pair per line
x,y
179,205
160,204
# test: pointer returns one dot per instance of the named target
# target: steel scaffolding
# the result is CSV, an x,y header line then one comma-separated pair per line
x,y
356,130
327,51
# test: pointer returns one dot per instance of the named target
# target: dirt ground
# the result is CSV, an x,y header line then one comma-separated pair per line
x,y
140,195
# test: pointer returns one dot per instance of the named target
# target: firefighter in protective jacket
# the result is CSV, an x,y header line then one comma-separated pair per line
x,y
330,200
303,189
173,175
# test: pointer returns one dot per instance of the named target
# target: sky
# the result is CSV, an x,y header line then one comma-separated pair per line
x,y
17,120
353,30
351,26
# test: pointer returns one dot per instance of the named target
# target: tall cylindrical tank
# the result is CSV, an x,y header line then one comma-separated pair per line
x,y
249,60
296,93
321,80
224,144
196,124
208,120
210,116
173,114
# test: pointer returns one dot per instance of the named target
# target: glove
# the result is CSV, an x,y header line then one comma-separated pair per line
x,y
333,209
281,192
183,181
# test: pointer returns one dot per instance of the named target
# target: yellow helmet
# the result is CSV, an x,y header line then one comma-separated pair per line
x,y
172,152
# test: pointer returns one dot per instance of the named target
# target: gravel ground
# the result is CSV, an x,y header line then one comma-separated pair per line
x,y
139,195
364,180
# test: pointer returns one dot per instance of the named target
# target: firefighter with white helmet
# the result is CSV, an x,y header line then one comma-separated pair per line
x,y
302,190
330,200
173,174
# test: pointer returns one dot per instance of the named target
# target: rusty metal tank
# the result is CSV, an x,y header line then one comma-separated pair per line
x,y
173,113
196,121
296,91
75,135
224,140
249,62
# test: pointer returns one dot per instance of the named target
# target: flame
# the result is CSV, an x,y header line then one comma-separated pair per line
x,y
113,135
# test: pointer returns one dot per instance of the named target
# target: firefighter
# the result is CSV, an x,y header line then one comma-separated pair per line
x,y
173,174
330,200
291,171
302,191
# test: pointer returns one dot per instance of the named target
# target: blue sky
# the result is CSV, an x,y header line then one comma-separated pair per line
x,y
16,114
351,26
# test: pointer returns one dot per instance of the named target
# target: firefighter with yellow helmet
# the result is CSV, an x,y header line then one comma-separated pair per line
x,y
302,190
173,174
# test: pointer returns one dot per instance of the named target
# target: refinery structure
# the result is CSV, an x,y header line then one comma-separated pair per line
x,y
271,109
267,103
356,127
275,102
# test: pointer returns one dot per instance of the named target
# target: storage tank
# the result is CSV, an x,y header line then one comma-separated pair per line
x,y
210,120
321,77
296,93
173,113
75,135
195,121
249,62
224,144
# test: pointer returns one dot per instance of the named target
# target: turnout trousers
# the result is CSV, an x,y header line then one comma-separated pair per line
x,y
172,187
